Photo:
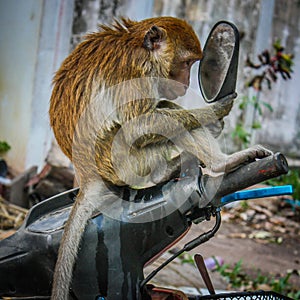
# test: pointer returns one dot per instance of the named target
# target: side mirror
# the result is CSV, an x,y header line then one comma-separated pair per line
x,y
218,68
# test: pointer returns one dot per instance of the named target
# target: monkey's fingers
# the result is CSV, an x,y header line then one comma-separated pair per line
x,y
258,151
223,106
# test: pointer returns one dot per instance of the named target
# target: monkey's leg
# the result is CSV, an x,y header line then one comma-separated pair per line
x,y
90,199
151,165
234,160
204,146
175,168
207,149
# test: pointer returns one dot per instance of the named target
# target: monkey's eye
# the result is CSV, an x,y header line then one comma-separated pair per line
x,y
188,63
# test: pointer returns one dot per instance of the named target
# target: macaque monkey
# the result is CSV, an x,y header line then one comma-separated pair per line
x,y
124,78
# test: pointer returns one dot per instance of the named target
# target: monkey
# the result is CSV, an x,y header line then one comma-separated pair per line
x,y
124,78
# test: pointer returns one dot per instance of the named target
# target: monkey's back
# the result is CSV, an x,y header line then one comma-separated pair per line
x,y
104,59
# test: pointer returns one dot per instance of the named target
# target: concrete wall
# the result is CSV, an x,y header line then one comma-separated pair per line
x,y
34,38
260,22
281,129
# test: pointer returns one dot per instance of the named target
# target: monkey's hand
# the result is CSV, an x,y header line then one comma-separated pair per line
x,y
221,109
223,106
212,114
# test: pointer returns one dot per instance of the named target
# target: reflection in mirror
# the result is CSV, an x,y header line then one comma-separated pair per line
x,y
218,52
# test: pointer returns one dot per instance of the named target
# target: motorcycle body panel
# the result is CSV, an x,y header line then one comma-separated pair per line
x,y
112,254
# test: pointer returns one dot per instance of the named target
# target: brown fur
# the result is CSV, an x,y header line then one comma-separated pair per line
x,y
100,61
135,135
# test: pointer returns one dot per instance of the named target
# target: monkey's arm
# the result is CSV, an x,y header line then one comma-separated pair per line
x,y
213,113
195,118
167,122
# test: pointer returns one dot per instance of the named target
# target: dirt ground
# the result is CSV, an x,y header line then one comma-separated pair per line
x,y
233,242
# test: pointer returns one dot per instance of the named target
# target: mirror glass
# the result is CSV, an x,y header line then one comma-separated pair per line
x,y
218,53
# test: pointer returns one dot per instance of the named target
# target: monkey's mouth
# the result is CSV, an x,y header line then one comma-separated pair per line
x,y
173,90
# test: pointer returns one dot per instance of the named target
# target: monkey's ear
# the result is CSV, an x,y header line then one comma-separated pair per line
x,y
154,38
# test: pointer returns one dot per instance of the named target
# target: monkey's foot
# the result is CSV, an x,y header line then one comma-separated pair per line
x,y
237,159
258,151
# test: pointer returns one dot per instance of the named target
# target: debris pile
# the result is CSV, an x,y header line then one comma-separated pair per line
x,y
265,220
20,191
11,217
51,181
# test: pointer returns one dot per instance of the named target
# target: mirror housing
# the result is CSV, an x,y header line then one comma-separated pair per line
x,y
218,68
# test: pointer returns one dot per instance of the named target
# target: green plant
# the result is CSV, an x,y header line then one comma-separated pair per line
x,y
4,147
240,134
294,295
293,178
281,284
244,205
186,258
238,278
235,276
270,65
260,279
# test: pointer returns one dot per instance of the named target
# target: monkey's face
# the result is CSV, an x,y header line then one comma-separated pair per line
x,y
173,48
180,80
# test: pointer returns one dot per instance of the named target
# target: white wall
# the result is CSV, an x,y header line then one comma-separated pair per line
x,y
19,32
34,38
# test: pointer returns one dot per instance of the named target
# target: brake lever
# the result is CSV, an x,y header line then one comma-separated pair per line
x,y
257,193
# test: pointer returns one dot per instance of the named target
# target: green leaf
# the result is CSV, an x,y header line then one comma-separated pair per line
x,y
4,146
277,45
268,106
253,100
256,125
242,105
257,106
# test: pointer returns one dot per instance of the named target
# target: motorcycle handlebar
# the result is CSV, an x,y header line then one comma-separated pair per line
x,y
246,176
197,190
243,177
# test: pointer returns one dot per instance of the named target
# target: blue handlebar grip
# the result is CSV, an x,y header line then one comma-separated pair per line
x,y
257,193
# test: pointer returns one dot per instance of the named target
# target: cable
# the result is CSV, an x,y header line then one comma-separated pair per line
x,y
187,247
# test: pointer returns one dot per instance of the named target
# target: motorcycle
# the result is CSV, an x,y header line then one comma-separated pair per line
x,y
114,251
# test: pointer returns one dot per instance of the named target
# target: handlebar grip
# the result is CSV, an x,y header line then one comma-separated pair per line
x,y
253,173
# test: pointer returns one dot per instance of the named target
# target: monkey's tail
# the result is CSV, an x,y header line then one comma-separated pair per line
x,y
87,202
